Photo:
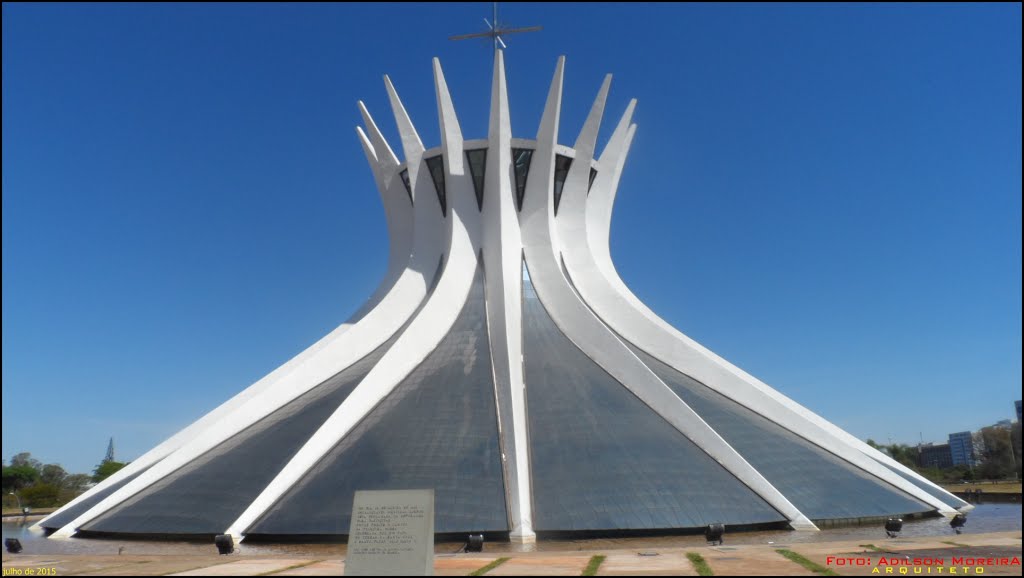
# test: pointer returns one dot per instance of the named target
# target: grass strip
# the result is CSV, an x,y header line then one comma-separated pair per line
x,y
700,564
485,569
593,565
872,547
957,544
812,566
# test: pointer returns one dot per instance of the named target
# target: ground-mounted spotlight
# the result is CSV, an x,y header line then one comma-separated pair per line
x,y
714,533
225,543
958,522
475,543
13,545
893,527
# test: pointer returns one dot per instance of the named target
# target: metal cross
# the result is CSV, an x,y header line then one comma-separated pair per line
x,y
495,31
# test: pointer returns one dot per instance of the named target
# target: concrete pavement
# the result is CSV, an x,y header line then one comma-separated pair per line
x,y
992,554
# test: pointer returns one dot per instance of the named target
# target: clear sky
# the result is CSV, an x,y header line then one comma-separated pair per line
x,y
827,196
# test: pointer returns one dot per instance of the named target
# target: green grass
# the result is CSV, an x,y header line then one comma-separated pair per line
x,y
593,565
957,544
992,488
812,566
700,564
872,547
485,569
33,512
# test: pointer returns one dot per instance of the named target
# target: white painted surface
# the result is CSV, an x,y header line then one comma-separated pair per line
x,y
663,342
502,252
398,212
585,330
330,356
397,208
424,332
587,306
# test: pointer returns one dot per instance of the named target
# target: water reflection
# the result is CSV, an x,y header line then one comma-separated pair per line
x,y
984,518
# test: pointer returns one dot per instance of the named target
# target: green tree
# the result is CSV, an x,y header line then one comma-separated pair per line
x,y
1000,459
26,459
76,483
105,470
39,485
40,495
1016,439
902,453
18,477
53,474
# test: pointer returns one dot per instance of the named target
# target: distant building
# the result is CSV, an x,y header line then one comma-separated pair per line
x,y
966,448
1017,405
935,456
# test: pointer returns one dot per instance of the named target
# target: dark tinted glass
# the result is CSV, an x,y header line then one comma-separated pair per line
x,y
946,498
562,164
601,459
209,493
521,168
477,167
405,181
436,167
438,429
818,483
82,507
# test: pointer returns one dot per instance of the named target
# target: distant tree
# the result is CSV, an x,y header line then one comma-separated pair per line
x,y
1015,442
39,485
40,495
933,474
26,459
1000,459
18,477
76,483
965,473
53,474
902,453
105,470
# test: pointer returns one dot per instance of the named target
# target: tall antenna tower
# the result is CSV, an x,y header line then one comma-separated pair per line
x,y
110,452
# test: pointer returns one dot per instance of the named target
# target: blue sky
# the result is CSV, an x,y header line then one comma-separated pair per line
x,y
828,196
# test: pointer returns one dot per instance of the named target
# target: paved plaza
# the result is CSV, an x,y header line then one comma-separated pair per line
x,y
984,551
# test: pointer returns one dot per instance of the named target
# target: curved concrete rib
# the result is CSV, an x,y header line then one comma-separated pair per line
x,y
398,209
959,504
601,196
330,356
398,214
672,347
574,277
587,332
422,336
584,238
599,207
503,255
